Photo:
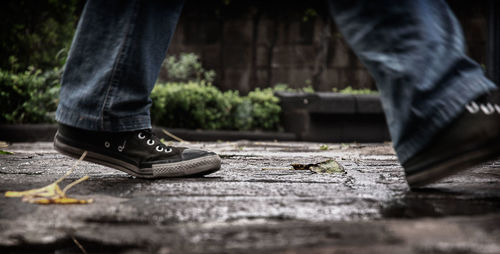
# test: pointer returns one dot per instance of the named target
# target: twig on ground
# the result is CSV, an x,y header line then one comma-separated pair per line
x,y
79,245
173,136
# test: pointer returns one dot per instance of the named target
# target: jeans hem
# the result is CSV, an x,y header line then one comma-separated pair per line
x,y
81,120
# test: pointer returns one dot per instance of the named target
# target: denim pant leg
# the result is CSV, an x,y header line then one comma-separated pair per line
x,y
414,49
114,62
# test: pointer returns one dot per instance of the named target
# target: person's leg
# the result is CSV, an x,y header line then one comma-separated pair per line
x,y
414,49
114,62
111,69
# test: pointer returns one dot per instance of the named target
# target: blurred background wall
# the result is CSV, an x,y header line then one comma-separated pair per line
x,y
248,43
261,43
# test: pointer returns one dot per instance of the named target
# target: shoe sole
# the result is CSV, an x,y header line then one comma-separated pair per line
x,y
194,167
461,161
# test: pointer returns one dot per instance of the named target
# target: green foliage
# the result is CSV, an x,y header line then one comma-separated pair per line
x,y
199,105
193,105
187,67
34,33
308,89
30,96
280,87
37,32
350,90
309,13
265,109
189,100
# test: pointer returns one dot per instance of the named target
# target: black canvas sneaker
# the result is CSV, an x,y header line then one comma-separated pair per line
x,y
473,138
139,153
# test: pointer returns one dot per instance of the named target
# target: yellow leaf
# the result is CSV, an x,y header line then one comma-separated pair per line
x,y
47,191
3,144
60,200
52,194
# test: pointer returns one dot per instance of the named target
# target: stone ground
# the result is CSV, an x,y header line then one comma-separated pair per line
x,y
254,204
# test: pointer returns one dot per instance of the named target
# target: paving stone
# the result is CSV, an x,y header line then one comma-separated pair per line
x,y
256,203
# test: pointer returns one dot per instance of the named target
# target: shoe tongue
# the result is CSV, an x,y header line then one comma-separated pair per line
x,y
119,136
149,131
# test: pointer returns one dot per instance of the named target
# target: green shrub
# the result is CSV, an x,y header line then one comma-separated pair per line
x,y
280,87
350,90
187,67
265,109
30,96
242,118
189,100
191,105
199,105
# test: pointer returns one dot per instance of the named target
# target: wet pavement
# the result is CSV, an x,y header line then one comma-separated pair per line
x,y
256,203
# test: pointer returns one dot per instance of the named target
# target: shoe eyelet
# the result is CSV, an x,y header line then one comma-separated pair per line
x,y
488,109
150,142
497,108
159,149
107,144
472,107
168,150
120,148
141,135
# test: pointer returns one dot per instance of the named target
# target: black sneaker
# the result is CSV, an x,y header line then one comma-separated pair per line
x,y
473,138
139,153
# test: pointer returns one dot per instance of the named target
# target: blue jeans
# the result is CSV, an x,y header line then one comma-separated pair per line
x,y
113,63
413,48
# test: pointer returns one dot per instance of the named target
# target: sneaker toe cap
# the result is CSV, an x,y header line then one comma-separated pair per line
x,y
189,153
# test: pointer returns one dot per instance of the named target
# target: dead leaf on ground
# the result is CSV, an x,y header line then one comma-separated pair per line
x,y
52,193
3,144
329,166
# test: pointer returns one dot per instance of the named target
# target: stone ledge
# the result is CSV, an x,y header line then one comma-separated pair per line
x,y
331,103
334,117
46,132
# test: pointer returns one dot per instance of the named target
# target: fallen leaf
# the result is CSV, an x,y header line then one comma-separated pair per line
x,y
3,144
5,152
298,166
323,147
329,166
47,191
52,193
60,201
